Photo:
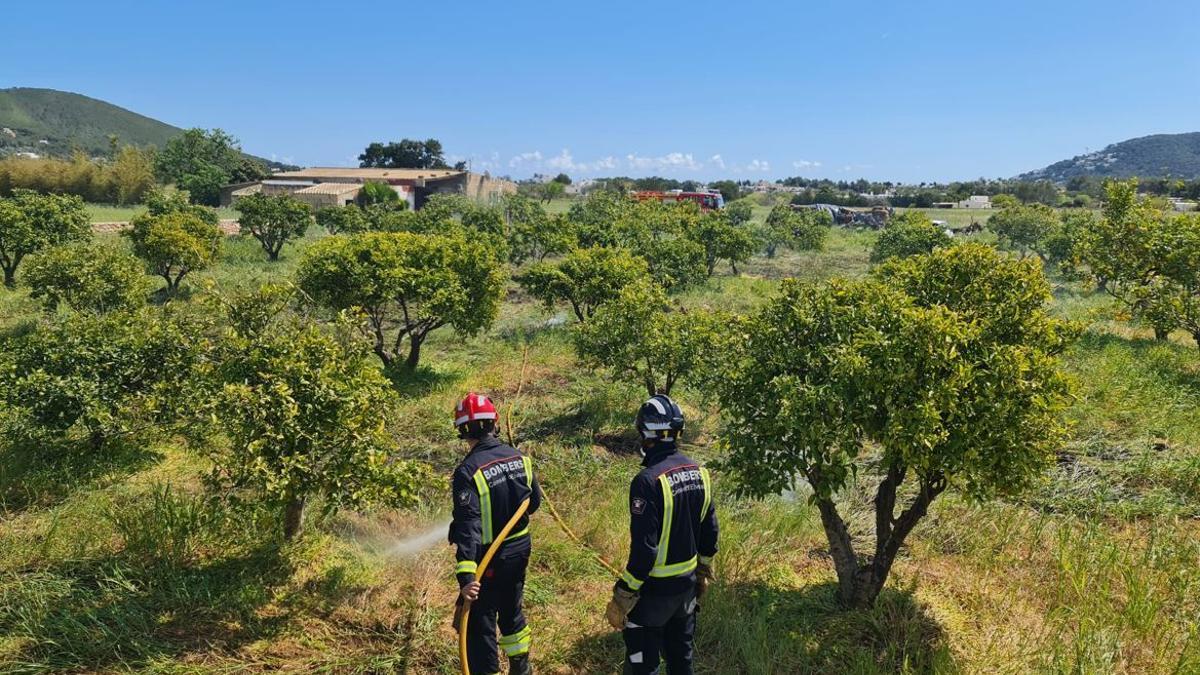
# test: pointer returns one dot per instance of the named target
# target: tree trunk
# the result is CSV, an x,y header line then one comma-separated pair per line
x,y
293,517
1161,334
1196,337
859,585
10,276
650,388
712,267
414,351
734,266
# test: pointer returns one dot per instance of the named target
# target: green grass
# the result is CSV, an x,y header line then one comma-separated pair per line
x,y
109,213
118,562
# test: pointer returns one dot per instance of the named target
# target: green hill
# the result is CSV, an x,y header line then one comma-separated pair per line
x,y
51,122
55,123
1175,155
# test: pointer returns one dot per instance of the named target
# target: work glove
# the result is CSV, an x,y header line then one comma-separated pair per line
x,y
619,607
704,577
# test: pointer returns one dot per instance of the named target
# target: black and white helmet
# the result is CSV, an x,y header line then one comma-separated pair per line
x,y
659,417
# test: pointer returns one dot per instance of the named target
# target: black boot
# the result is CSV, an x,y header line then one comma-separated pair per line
x,y
519,665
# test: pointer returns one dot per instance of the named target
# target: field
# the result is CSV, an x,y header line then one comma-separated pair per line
x,y
109,213
1096,571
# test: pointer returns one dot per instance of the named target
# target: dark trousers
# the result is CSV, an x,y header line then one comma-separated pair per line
x,y
499,604
661,627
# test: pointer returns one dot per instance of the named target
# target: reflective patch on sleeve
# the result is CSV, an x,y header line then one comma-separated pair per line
x,y
464,497
637,506
635,657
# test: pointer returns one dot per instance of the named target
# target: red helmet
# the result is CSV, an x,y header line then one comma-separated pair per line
x,y
474,416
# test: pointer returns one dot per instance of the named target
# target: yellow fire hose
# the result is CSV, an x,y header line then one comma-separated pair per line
x,y
483,564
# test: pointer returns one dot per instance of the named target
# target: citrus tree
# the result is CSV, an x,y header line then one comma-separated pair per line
x,y
30,222
405,285
174,244
1025,227
342,219
803,230
910,233
305,413
721,239
87,278
642,338
941,373
1123,253
100,375
1179,275
532,233
273,220
585,279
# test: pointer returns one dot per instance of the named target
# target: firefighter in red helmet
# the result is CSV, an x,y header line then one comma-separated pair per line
x,y
488,486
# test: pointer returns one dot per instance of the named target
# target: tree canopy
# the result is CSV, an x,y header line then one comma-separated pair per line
x,y
202,161
87,278
942,371
910,233
585,279
406,283
273,220
405,154
30,222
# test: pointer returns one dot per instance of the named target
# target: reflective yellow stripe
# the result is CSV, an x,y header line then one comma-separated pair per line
x,y
674,570
517,643
632,582
664,537
706,560
528,472
466,567
514,535
707,481
485,506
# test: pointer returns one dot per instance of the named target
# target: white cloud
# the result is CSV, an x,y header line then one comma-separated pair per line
x,y
758,166
716,161
672,161
534,157
805,164
563,162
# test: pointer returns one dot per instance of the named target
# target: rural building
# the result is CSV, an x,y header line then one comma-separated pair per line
x,y
338,186
976,202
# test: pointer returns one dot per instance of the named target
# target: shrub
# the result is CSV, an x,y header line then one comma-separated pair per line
x,y
374,192
87,278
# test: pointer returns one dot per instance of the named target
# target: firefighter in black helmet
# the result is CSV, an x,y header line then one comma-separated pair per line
x,y
488,486
673,538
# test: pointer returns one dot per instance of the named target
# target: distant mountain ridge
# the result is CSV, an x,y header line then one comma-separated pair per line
x,y
54,123
1159,155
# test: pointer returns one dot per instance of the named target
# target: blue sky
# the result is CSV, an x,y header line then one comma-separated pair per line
x,y
895,90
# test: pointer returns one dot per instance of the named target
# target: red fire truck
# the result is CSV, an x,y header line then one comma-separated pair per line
x,y
708,201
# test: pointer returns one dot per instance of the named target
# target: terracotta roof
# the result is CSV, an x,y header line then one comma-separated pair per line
x,y
368,174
